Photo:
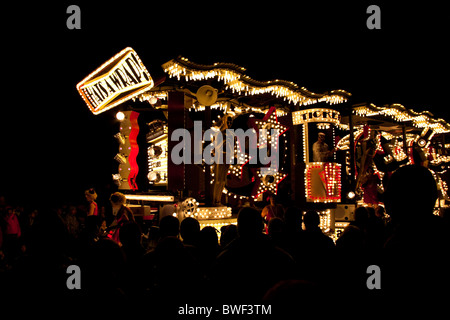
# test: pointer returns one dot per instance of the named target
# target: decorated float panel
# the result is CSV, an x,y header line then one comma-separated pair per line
x,y
203,140
388,137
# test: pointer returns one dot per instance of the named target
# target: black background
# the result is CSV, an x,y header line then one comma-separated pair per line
x,y
53,147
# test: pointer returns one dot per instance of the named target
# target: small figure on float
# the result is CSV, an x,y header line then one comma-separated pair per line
x,y
272,210
220,170
122,215
321,151
370,186
91,196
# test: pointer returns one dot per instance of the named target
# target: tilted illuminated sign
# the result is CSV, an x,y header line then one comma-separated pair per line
x,y
316,115
119,79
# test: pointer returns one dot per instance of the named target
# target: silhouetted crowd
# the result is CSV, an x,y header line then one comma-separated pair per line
x,y
291,267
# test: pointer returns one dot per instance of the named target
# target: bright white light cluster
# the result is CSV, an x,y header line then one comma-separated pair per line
x,y
401,114
234,79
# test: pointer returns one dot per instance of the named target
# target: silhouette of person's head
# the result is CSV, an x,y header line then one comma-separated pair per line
x,y
130,235
169,247
276,225
311,220
361,216
250,223
104,262
169,226
92,224
209,238
227,234
379,211
351,239
293,219
189,230
410,194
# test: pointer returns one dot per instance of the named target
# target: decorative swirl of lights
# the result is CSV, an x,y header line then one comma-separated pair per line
x,y
235,80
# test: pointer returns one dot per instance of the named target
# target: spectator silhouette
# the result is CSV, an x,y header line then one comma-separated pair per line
x,y
250,264
353,238
11,234
361,218
296,299
375,233
227,234
351,259
89,234
170,273
130,237
276,232
102,267
351,252
318,251
41,272
189,231
122,215
293,220
169,226
71,222
27,224
209,241
293,233
416,253
208,247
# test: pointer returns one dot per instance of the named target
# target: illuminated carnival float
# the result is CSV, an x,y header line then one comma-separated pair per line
x,y
202,139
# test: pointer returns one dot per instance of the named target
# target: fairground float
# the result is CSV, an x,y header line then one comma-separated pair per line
x,y
203,140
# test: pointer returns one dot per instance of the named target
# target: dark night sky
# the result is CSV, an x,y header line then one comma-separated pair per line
x,y
52,146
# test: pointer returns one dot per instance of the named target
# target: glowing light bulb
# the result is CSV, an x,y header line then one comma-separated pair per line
x,y
120,116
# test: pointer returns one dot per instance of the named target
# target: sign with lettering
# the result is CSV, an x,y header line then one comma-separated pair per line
x,y
316,115
119,79
323,182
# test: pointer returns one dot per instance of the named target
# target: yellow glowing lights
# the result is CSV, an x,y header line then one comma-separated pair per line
x,y
323,182
217,224
269,182
325,220
120,116
148,197
401,114
119,79
202,213
158,156
234,79
320,115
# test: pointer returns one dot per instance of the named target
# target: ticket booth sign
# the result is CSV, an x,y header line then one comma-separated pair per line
x,y
323,182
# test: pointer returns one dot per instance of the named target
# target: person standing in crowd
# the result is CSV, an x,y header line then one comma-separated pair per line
x,y
251,264
122,214
272,210
71,222
416,252
370,185
11,234
91,196
318,250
